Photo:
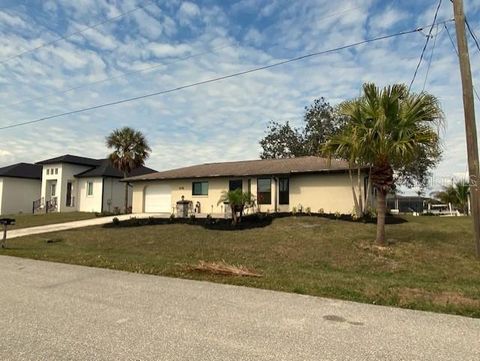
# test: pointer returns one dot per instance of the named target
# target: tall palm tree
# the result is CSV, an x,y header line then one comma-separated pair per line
x,y
130,150
386,130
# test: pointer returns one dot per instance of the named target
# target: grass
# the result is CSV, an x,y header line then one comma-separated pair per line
x,y
33,220
429,266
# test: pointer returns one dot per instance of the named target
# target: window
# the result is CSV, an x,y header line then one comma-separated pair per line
x,y
89,188
56,170
48,171
264,191
283,191
53,189
235,184
200,188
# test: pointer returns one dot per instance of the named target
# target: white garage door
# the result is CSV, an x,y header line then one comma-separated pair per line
x,y
158,199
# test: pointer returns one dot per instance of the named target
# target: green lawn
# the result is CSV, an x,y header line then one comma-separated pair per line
x,y
32,220
430,265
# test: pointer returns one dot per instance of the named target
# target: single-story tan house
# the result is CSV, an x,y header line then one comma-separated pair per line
x,y
279,185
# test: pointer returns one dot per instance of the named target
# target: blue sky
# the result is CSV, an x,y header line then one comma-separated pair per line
x,y
187,42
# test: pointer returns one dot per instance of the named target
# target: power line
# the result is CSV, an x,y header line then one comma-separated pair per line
x,y
95,82
114,18
458,55
470,30
472,34
425,46
154,66
203,82
431,57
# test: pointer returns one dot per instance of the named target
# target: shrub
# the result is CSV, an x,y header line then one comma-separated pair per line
x,y
308,211
115,221
321,211
354,214
294,210
337,215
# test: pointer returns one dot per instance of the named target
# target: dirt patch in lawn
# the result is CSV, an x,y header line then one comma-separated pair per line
x,y
445,298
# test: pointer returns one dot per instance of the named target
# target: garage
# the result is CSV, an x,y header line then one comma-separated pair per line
x,y
158,199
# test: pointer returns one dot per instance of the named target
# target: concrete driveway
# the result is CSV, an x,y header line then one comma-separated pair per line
x,y
78,224
52,311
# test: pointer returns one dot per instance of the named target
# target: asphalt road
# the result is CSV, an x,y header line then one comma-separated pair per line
x,y
52,311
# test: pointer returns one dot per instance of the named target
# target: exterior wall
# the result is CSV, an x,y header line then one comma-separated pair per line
x,y
114,194
66,172
88,203
330,192
183,187
17,194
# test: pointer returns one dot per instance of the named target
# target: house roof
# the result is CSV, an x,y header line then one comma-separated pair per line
x,y
249,168
72,159
22,170
99,167
105,169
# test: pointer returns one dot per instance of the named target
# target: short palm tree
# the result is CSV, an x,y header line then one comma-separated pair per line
x,y
238,201
130,150
462,192
386,130
457,194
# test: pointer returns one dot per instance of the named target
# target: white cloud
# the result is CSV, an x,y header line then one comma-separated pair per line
x,y
387,19
197,124
167,50
253,36
7,20
187,12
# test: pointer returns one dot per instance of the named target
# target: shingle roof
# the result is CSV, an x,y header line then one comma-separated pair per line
x,y
22,170
105,169
100,167
250,168
72,159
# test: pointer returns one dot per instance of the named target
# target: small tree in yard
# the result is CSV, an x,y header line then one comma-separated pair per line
x,y
456,194
238,201
388,130
130,150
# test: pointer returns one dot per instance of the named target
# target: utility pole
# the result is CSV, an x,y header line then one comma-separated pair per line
x,y
469,111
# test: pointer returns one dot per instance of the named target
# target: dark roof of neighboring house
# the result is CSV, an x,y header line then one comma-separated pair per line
x,y
250,168
100,167
72,159
105,169
22,170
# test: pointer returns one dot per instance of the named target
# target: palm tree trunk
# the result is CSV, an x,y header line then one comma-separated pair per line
x,y
381,210
126,194
234,215
369,190
355,200
360,194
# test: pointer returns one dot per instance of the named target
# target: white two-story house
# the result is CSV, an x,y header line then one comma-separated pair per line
x,y
73,183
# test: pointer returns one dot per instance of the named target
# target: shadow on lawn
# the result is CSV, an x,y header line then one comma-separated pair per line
x,y
258,220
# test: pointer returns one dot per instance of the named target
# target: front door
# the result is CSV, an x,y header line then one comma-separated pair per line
x,y
69,194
